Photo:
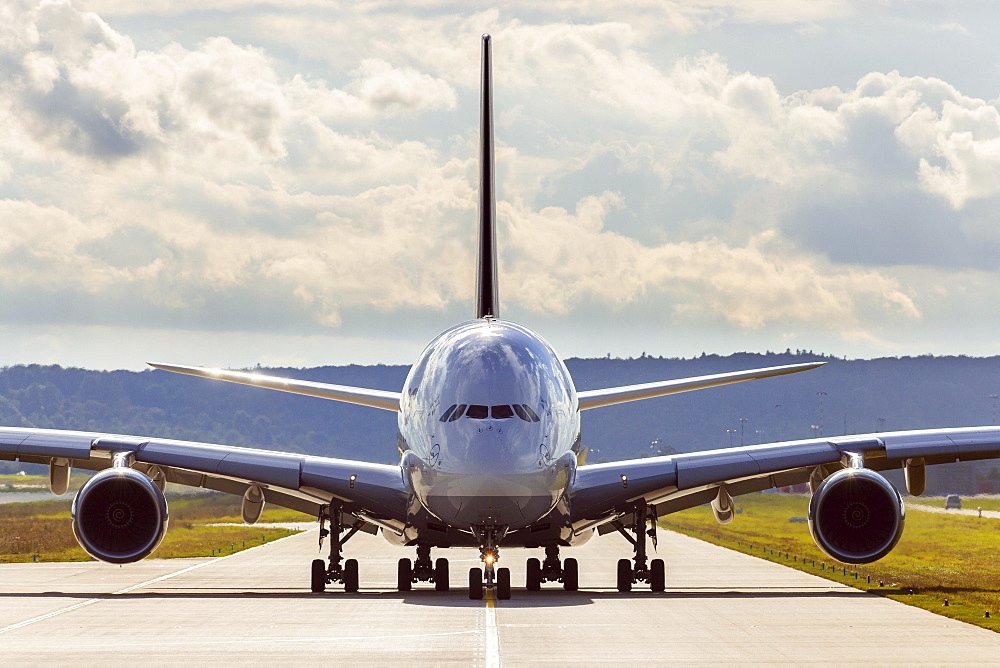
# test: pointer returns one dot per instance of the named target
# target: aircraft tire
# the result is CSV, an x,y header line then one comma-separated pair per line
x,y
571,575
404,575
533,577
657,575
624,575
475,584
441,574
318,575
503,584
351,580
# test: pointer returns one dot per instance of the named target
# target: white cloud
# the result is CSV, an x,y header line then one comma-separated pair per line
x,y
327,168
563,259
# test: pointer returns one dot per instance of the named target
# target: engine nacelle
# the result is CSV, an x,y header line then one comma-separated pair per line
x,y
856,516
119,516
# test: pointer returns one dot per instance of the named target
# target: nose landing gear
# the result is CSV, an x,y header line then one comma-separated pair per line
x,y
630,573
489,577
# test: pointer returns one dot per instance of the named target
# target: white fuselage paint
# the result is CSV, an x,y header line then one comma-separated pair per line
x,y
508,458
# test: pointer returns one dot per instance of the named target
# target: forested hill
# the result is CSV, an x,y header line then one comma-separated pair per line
x,y
860,396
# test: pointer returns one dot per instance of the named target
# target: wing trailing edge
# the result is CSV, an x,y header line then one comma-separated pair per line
x,y
619,395
352,395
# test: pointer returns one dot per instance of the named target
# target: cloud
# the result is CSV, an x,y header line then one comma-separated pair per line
x,y
562,259
328,169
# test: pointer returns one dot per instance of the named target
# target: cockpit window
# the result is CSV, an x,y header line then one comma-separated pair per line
x,y
501,412
530,413
477,412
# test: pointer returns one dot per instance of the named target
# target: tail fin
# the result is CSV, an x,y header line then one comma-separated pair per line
x,y
487,298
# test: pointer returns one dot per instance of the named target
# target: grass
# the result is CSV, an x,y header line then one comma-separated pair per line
x,y
11,482
939,557
43,531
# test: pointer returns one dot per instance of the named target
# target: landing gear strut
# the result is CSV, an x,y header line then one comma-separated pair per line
x,y
636,571
489,577
323,574
422,570
550,570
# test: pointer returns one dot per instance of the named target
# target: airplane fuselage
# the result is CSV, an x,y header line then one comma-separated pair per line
x,y
489,419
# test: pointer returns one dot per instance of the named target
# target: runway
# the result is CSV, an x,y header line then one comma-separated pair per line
x,y
255,606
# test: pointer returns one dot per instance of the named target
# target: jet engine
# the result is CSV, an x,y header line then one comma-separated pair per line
x,y
856,516
119,516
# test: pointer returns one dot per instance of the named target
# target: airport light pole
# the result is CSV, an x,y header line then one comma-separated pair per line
x,y
730,432
822,396
743,422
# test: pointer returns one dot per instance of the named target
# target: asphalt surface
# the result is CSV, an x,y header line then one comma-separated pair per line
x,y
255,607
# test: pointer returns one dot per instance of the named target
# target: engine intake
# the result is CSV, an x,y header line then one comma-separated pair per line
x,y
119,516
856,516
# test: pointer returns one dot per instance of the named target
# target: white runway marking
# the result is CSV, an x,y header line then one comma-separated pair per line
x,y
126,590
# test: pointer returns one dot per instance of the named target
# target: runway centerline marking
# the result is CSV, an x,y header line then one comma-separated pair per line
x,y
492,633
126,590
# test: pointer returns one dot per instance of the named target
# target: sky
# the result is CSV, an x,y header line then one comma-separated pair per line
x,y
232,183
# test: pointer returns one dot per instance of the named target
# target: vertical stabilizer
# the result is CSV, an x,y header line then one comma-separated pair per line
x,y
487,299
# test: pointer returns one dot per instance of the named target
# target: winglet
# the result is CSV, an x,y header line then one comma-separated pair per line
x,y
487,297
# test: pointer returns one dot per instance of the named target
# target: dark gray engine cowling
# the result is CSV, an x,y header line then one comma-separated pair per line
x,y
119,516
856,516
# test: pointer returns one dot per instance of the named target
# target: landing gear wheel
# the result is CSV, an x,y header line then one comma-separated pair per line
x,y
441,574
571,575
657,575
404,575
351,581
533,578
475,584
624,575
503,584
318,575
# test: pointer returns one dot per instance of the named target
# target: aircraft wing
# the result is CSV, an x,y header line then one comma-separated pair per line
x,y
617,395
374,492
682,481
353,395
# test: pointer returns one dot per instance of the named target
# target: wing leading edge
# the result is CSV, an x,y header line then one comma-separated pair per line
x,y
300,482
353,395
617,395
677,482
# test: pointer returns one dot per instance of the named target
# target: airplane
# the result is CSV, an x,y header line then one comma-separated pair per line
x,y
490,457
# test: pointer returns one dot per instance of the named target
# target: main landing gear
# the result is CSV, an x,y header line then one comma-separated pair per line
x,y
422,570
347,574
489,576
629,574
550,570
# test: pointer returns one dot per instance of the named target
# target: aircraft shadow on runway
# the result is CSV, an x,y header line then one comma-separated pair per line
x,y
454,598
